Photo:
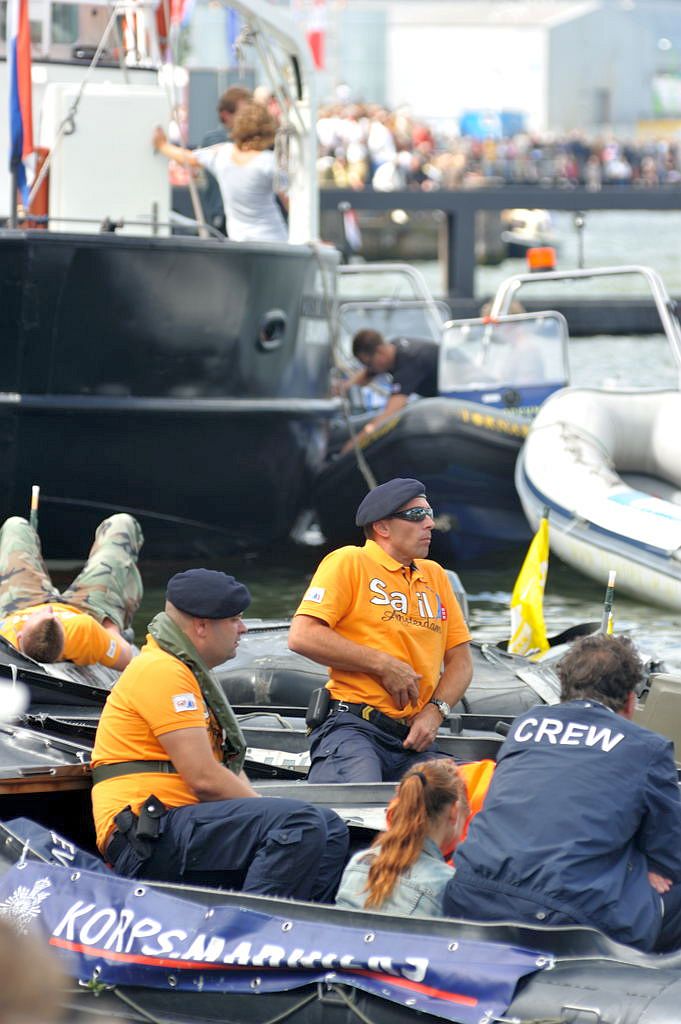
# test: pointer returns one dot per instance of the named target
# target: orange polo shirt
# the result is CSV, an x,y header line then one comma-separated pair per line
x,y
412,613
155,694
85,641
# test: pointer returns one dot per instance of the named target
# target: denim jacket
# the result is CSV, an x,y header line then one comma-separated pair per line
x,y
417,893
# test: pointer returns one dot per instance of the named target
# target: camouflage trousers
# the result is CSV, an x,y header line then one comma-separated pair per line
x,y
108,587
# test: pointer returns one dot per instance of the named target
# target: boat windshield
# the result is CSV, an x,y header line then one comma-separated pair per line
x,y
393,319
484,361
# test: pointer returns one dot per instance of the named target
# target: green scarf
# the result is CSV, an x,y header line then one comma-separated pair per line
x,y
171,639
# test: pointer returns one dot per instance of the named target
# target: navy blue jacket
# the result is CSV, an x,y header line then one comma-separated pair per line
x,y
582,805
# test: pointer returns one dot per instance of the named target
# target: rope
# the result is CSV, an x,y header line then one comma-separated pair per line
x,y
273,1020
175,112
68,125
138,1009
571,432
351,1006
110,507
282,151
293,1009
252,35
362,464
360,458
265,714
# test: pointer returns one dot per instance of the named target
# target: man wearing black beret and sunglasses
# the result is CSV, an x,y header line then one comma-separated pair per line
x,y
385,620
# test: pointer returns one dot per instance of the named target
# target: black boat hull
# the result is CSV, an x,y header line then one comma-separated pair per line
x,y
181,379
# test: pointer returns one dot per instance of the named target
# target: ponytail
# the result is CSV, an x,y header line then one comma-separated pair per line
x,y
423,794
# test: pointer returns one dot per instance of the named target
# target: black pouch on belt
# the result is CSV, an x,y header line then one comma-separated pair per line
x,y
318,708
126,825
149,820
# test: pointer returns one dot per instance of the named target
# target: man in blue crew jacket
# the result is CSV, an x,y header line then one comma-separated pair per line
x,y
582,821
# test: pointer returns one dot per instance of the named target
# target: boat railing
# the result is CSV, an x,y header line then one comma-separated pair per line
x,y
412,277
391,283
108,225
665,305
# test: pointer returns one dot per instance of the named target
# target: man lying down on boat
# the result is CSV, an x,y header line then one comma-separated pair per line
x,y
170,798
85,623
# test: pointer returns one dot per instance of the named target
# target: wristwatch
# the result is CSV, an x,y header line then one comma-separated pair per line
x,y
443,707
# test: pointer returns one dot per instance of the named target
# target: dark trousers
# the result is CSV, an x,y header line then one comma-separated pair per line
x,y
469,900
669,937
348,749
269,846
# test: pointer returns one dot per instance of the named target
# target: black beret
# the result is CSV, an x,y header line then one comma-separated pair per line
x,y
207,594
387,498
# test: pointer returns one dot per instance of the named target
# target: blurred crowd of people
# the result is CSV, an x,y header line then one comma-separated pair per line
x,y
365,145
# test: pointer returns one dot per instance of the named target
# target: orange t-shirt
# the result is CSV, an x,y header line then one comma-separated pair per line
x,y
85,641
155,694
366,596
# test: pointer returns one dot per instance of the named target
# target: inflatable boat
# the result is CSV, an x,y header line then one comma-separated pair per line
x,y
266,675
465,456
134,950
492,376
160,952
607,465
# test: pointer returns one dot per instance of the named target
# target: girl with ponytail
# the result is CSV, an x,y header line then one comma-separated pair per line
x,y
404,871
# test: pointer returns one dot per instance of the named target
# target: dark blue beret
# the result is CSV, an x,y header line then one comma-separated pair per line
x,y
207,594
387,498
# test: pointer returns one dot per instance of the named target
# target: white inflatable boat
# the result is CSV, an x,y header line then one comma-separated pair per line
x,y
607,464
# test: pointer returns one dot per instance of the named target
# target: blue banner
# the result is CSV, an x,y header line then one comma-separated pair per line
x,y
135,935
53,847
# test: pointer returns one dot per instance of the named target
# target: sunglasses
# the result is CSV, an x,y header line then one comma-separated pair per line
x,y
413,515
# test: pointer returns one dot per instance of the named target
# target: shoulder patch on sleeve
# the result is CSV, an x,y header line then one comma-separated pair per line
x,y
184,702
315,594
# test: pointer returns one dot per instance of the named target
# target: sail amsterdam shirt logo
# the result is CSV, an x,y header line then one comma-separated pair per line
x,y
399,602
184,702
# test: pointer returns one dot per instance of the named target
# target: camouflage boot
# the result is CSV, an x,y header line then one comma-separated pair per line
x,y
24,580
109,585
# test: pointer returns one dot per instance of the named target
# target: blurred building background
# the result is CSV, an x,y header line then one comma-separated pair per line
x,y
557,65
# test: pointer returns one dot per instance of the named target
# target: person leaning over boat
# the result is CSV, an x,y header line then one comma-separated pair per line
x,y
84,624
582,821
244,170
412,364
385,619
405,872
170,798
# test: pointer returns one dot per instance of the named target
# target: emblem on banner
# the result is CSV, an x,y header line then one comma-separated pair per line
x,y
23,906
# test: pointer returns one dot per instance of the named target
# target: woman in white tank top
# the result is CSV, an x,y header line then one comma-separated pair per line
x,y
244,170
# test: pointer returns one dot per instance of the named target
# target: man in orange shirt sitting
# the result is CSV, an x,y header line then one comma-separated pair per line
x,y
85,623
386,621
171,800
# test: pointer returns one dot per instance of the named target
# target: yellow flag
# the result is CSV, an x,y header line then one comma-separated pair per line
x,y
528,631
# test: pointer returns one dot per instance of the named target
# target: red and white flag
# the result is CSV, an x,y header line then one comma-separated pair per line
x,y
316,32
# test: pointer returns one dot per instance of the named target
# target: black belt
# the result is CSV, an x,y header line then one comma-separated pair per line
x,y
112,771
395,727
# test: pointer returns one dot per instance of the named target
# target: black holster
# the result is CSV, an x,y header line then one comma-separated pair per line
x,y
141,830
317,708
